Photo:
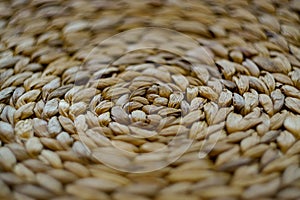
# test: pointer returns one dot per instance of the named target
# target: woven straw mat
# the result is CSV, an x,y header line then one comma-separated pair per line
x,y
153,99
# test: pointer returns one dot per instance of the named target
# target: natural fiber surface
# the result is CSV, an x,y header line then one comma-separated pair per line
x,y
63,112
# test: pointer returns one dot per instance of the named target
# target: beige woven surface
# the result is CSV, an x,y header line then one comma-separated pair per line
x,y
241,108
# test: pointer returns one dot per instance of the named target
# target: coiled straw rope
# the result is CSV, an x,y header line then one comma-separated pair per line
x,y
81,119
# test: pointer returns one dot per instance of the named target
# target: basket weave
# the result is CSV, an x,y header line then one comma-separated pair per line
x,y
241,109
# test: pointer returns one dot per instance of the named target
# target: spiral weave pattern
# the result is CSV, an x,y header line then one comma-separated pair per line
x,y
210,111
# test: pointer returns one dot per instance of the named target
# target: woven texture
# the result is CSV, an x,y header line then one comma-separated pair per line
x,y
65,107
